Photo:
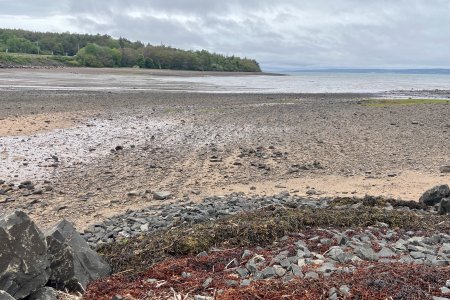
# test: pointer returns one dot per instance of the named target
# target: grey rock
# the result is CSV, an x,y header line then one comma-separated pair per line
x,y
286,263
186,275
296,271
440,298
242,272
407,259
417,255
444,206
435,195
337,254
254,264
445,248
45,293
5,296
200,297
447,283
444,169
24,265
327,268
74,264
231,283
400,245
161,195
117,297
386,252
246,282
366,253
344,290
247,253
332,294
279,270
311,275
207,282
268,272
202,254
445,290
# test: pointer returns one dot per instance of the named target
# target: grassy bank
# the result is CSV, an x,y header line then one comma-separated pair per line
x,y
34,60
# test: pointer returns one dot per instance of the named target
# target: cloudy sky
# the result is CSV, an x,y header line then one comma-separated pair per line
x,y
282,34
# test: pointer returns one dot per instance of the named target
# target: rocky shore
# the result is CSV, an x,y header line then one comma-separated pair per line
x,y
190,195
345,251
91,155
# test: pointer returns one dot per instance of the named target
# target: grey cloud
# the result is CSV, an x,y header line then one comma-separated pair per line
x,y
285,33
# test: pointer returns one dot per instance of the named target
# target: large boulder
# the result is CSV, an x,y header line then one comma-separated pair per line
x,y
5,296
444,206
434,195
74,264
45,293
24,266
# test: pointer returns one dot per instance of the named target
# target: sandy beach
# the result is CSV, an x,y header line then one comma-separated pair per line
x,y
93,153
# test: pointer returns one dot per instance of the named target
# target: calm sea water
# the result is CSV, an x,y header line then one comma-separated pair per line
x,y
300,82
320,82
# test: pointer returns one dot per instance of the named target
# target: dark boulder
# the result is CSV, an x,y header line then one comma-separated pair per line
x,y
434,195
74,264
444,206
24,266
5,296
45,293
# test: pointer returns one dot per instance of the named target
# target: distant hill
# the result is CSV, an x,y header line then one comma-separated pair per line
x,y
72,49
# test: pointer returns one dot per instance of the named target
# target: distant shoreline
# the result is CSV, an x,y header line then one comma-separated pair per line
x,y
154,72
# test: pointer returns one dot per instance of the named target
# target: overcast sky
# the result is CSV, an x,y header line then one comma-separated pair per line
x,y
282,34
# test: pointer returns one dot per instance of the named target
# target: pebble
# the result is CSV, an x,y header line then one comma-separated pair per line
x,y
207,282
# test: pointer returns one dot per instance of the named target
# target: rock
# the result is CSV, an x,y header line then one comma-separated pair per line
x,y
445,290
386,252
311,275
297,271
231,283
202,254
268,272
435,195
327,268
246,282
246,254
74,264
417,255
117,297
444,169
5,296
242,272
200,297
133,194
366,253
45,293
207,282
447,283
162,195
24,265
337,254
279,270
344,290
444,206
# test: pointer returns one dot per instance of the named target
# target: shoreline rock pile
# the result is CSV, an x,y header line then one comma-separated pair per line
x,y
34,265
162,217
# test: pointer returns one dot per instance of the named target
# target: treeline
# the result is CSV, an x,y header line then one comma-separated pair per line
x,y
105,51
